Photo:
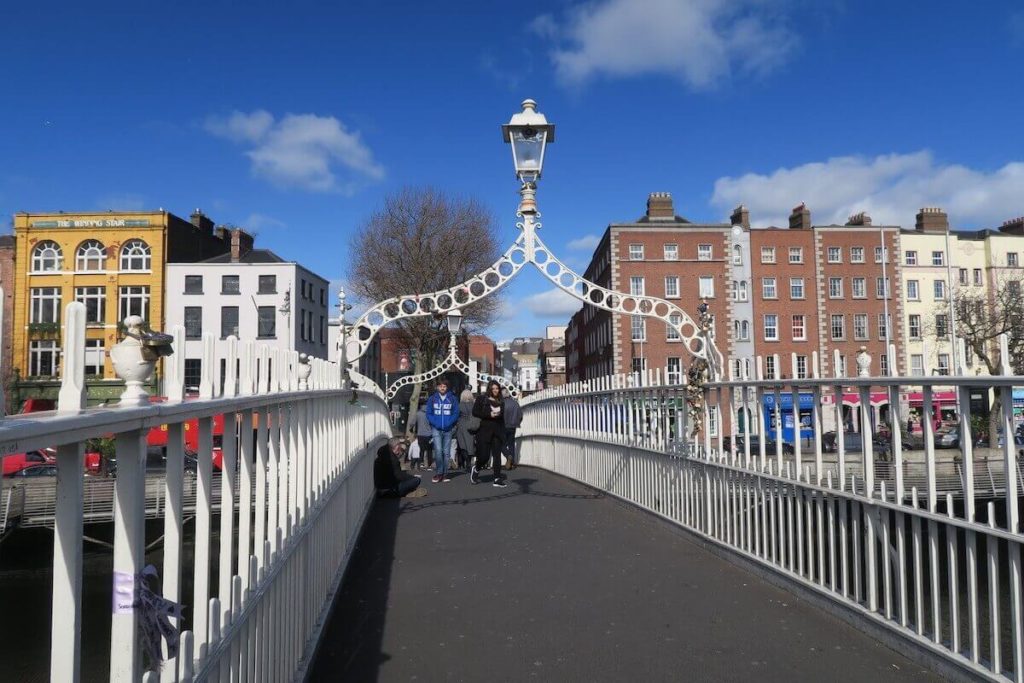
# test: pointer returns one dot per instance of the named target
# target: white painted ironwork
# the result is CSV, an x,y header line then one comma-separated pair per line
x,y
891,534
302,487
452,360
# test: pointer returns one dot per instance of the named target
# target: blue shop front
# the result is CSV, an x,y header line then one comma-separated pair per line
x,y
786,409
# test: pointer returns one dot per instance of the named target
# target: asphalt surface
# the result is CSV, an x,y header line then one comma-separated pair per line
x,y
548,580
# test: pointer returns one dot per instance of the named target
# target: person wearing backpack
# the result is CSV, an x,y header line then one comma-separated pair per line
x,y
443,415
465,431
513,419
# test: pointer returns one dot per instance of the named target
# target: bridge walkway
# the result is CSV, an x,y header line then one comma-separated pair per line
x,y
548,580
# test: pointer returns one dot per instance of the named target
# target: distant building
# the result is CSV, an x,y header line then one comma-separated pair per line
x,y
248,293
7,281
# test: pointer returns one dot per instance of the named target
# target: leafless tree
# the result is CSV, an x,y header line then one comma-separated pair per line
x,y
423,240
985,314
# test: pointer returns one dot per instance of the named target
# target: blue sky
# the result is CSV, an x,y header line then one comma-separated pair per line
x,y
295,121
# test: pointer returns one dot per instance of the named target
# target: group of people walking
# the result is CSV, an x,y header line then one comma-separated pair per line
x,y
471,432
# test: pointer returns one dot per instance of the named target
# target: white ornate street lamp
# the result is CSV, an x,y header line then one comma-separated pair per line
x,y
454,321
528,132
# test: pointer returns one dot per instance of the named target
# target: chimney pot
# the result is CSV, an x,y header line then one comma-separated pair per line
x,y
202,221
1014,226
861,218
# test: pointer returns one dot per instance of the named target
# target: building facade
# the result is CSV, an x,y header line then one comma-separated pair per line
x,y
113,263
7,282
251,294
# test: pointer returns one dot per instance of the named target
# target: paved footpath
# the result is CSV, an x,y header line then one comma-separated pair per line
x,y
548,580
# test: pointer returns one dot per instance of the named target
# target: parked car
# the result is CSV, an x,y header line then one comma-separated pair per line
x,y
36,471
755,445
853,443
13,464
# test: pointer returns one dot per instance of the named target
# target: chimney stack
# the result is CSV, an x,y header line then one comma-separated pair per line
x,y
659,206
202,221
861,218
241,244
1014,226
800,219
932,219
741,216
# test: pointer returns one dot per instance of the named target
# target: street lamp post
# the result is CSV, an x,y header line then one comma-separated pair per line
x,y
529,133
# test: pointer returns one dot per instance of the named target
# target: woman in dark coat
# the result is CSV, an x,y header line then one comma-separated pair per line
x,y
465,430
490,438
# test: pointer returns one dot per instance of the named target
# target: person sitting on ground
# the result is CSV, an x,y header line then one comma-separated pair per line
x,y
388,477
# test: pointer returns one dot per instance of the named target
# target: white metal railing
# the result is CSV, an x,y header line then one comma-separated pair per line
x,y
884,537
297,466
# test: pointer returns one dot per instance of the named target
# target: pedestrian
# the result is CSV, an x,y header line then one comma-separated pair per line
x,y
414,456
465,431
443,415
423,435
388,477
490,438
513,419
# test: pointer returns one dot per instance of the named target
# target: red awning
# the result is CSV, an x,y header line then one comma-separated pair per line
x,y
916,398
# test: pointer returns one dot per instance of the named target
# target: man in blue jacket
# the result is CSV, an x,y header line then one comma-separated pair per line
x,y
442,414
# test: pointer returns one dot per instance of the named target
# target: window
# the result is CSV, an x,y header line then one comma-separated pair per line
x,y
917,365
193,284
636,285
883,363
941,325
133,301
969,355
884,322
193,322
1011,259
801,367
193,373
938,258
913,292
672,327
135,255
771,327
914,326
638,328
737,368
860,326
671,252
856,254
838,326
707,286
796,288
704,252
743,290
674,370
47,257
910,257
268,284
977,277
638,365
737,255
636,252
43,358
796,254
742,330
769,366
228,321
229,284
672,287
842,366
835,288
882,287
267,326
881,254
768,288
943,364
963,276
799,328
767,254
91,256
323,297
713,421
95,300
939,289
94,353
45,305
859,287
835,254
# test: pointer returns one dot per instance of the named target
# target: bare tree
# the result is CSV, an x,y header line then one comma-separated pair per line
x,y
985,314
423,240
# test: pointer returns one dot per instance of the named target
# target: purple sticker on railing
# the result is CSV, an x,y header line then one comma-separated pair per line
x,y
124,592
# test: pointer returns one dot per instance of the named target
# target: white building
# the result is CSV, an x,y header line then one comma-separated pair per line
x,y
251,294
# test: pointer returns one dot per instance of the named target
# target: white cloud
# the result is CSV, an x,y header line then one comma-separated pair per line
x,y
697,41
305,151
891,188
554,303
585,243
259,221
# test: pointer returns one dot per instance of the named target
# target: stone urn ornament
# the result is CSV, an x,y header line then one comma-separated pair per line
x,y
305,369
863,362
135,357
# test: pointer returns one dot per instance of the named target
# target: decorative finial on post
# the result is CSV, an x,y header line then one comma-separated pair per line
x,y
135,357
305,368
863,362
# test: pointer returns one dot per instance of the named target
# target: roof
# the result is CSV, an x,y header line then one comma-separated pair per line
x,y
251,256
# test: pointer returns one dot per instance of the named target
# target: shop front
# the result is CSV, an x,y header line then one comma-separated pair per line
x,y
806,408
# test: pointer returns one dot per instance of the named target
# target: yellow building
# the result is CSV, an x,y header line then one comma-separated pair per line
x,y
112,262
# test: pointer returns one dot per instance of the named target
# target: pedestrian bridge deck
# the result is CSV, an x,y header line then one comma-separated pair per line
x,y
549,580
